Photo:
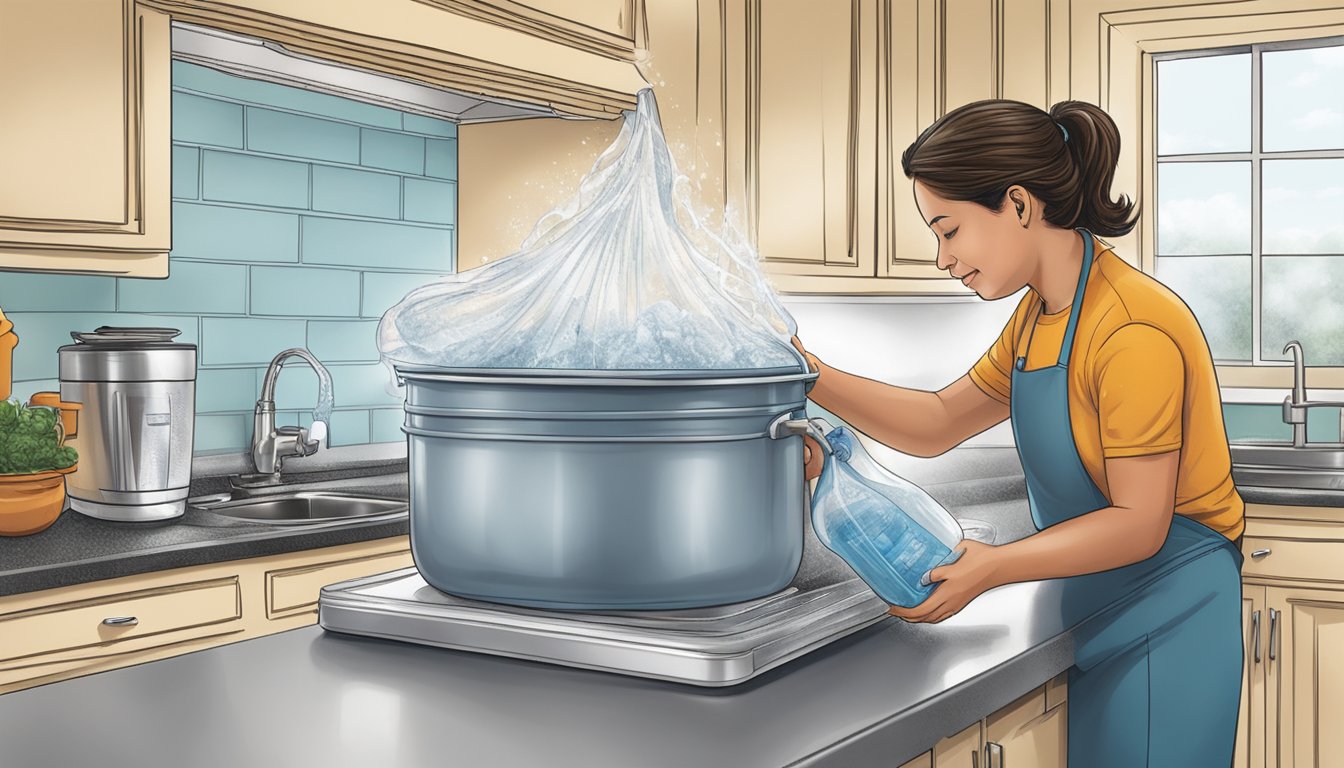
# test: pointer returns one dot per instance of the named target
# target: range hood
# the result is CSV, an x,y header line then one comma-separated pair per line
x,y
258,59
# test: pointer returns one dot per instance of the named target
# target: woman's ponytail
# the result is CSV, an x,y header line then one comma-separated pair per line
x,y
1094,144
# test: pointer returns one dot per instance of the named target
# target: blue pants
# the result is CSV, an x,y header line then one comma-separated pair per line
x,y
1158,681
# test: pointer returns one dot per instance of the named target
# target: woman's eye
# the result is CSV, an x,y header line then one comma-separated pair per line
x,y
951,232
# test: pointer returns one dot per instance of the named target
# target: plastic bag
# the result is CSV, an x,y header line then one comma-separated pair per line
x,y
889,530
623,277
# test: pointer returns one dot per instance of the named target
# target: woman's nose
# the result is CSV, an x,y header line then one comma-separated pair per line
x,y
945,259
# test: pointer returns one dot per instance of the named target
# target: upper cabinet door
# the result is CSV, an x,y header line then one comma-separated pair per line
x,y
85,146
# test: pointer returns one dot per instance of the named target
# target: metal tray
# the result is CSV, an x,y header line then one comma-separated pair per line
x,y
716,646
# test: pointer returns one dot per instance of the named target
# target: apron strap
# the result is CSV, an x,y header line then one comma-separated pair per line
x,y
1066,347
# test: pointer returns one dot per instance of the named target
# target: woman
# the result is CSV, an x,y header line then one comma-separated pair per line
x,y
1109,385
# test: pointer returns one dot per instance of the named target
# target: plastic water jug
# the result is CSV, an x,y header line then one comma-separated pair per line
x,y
889,530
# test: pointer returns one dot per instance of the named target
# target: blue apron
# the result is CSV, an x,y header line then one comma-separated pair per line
x,y
1158,651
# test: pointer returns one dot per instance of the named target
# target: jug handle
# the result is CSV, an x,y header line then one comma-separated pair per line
x,y
68,412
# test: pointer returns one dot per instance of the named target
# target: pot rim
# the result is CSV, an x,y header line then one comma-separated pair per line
x,y
606,378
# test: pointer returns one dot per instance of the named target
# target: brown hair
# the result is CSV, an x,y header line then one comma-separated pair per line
x,y
977,151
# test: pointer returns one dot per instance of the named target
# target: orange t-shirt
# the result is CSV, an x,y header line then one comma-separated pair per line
x,y
1141,381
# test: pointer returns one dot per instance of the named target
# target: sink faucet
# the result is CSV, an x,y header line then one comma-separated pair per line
x,y
1296,405
271,444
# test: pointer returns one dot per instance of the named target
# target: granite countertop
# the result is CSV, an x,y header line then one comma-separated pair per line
x,y
78,549
310,698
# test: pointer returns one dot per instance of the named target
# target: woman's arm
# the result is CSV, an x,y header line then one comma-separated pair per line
x,y
1143,493
912,421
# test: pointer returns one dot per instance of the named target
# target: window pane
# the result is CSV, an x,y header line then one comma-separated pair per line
x,y
1303,206
1203,208
1303,299
1303,99
1204,105
1218,290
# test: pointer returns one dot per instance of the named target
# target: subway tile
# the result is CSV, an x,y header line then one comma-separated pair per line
x,y
37,292
384,289
387,425
233,234
41,334
346,242
365,384
348,428
429,125
1257,421
431,201
343,340
363,193
393,151
282,133
198,78
222,433
295,386
194,287
304,292
239,178
198,120
441,158
186,172
246,340
226,389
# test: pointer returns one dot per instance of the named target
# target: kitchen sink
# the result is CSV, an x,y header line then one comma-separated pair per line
x,y
307,507
1277,464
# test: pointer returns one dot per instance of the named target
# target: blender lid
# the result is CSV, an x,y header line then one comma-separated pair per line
x,y
107,333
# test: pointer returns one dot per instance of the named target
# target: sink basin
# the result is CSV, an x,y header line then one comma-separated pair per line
x,y
307,508
1317,466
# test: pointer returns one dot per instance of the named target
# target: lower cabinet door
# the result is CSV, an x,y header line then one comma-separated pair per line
x,y
1250,750
961,750
1306,650
1025,733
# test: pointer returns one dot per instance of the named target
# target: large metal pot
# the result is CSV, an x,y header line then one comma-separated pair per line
x,y
605,489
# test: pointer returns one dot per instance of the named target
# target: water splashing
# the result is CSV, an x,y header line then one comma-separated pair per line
x,y
624,276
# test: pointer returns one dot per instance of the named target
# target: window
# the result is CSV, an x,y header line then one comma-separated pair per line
x,y
1250,196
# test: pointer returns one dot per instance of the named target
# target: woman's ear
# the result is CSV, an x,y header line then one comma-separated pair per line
x,y
1021,201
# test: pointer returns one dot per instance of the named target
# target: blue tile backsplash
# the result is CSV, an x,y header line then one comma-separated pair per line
x,y
298,219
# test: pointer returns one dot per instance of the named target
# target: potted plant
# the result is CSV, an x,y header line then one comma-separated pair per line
x,y
33,463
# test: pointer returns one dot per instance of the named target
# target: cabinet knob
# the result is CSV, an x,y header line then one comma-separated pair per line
x,y
1259,553
121,621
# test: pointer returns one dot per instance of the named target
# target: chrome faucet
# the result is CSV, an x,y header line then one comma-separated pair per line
x,y
1296,405
271,444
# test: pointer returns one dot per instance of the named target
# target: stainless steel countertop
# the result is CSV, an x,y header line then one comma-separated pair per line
x,y
306,698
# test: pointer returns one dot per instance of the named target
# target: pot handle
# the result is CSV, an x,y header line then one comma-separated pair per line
x,y
815,428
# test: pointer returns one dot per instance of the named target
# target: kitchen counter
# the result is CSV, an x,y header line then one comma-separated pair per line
x,y
78,549
309,698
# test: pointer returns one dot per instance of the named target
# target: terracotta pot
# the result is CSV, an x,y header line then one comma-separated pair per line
x,y
69,411
31,503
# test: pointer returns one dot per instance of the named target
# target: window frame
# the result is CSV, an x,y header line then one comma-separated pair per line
x,y
1257,372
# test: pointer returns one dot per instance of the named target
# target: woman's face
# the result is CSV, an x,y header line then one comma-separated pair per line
x,y
989,252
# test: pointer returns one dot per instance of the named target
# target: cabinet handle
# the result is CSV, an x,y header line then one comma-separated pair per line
x,y
1273,633
121,621
1255,634
993,755
1259,553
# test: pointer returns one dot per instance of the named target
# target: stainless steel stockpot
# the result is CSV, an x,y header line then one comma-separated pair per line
x,y
605,489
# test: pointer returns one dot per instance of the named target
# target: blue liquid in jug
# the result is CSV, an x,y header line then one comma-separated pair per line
x,y
888,550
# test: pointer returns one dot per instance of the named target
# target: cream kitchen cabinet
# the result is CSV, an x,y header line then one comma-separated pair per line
x,y
1293,589
1031,731
67,632
85,168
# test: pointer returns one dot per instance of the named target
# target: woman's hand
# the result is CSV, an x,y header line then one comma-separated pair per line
x,y
958,584
812,456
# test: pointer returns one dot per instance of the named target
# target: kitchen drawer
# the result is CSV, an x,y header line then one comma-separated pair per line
x,y
1296,559
74,630
292,591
